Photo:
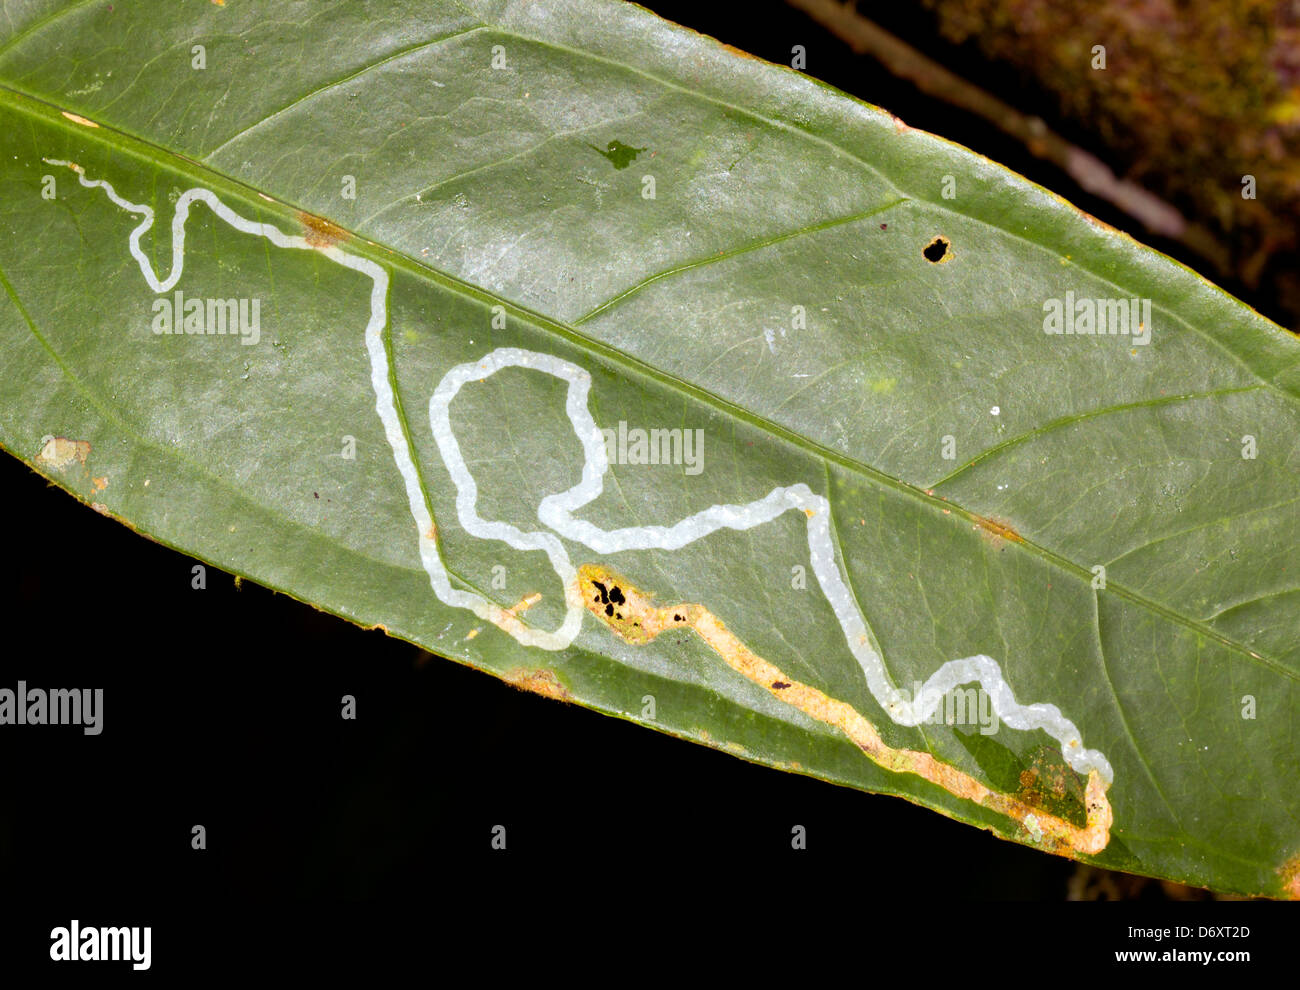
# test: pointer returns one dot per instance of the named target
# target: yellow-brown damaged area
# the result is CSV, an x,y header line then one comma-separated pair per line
x,y
319,232
539,681
78,119
633,616
59,452
996,531
1290,873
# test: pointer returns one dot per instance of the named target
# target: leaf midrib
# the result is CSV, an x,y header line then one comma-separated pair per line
x,y
157,156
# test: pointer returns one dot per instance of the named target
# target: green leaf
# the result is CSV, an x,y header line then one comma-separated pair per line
x,y
850,312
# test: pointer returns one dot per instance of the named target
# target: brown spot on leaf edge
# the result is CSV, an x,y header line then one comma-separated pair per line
x,y
539,681
1290,873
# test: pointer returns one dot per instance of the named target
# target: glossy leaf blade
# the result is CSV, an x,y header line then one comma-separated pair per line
x,y
831,299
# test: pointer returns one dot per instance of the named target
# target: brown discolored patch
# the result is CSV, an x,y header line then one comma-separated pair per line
x,y
319,232
630,613
59,452
996,531
1290,873
1050,784
99,484
539,681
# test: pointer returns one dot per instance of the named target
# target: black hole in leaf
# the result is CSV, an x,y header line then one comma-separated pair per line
x,y
936,250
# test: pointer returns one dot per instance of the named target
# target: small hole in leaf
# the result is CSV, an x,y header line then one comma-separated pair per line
x,y
937,250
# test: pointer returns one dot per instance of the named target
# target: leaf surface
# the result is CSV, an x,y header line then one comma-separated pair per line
x,y
726,249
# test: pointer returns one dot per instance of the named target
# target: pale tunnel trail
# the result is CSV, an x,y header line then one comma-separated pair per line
x,y
556,511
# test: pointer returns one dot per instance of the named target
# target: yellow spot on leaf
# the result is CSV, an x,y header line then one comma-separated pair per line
x,y
77,119
525,603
